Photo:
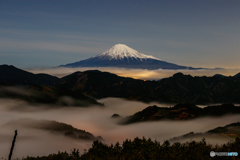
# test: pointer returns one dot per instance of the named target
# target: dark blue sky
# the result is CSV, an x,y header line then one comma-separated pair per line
x,y
46,33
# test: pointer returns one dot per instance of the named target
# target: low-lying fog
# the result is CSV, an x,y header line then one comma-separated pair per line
x,y
95,120
143,74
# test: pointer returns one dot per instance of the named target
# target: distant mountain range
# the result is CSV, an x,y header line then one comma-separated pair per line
x,y
177,89
82,85
123,56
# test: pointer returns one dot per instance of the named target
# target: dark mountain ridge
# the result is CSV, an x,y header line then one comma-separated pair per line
x,y
16,76
180,112
39,88
237,75
101,84
179,88
47,95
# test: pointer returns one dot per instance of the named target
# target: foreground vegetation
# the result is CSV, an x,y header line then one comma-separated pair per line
x,y
142,149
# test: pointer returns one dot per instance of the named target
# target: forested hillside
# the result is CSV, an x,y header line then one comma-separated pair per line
x,y
147,149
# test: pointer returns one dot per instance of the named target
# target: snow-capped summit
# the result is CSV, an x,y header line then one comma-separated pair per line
x,y
121,51
120,55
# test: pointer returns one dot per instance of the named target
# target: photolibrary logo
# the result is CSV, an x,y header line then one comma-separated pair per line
x,y
212,153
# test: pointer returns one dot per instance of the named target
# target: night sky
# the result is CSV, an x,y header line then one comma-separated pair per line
x,y
48,33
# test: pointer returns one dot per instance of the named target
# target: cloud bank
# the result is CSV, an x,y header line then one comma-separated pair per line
x,y
135,73
95,120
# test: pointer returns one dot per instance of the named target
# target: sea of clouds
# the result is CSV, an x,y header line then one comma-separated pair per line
x,y
96,120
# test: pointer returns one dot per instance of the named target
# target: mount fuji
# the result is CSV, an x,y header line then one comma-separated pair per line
x,y
123,56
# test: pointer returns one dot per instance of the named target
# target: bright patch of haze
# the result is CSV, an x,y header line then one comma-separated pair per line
x,y
95,120
143,74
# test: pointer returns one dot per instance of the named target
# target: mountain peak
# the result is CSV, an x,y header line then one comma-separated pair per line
x,y
120,55
121,45
122,51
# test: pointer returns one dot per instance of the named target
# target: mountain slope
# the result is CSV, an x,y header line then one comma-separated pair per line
x,y
39,89
180,112
237,75
99,84
55,96
178,89
228,132
123,56
52,127
16,76
121,51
